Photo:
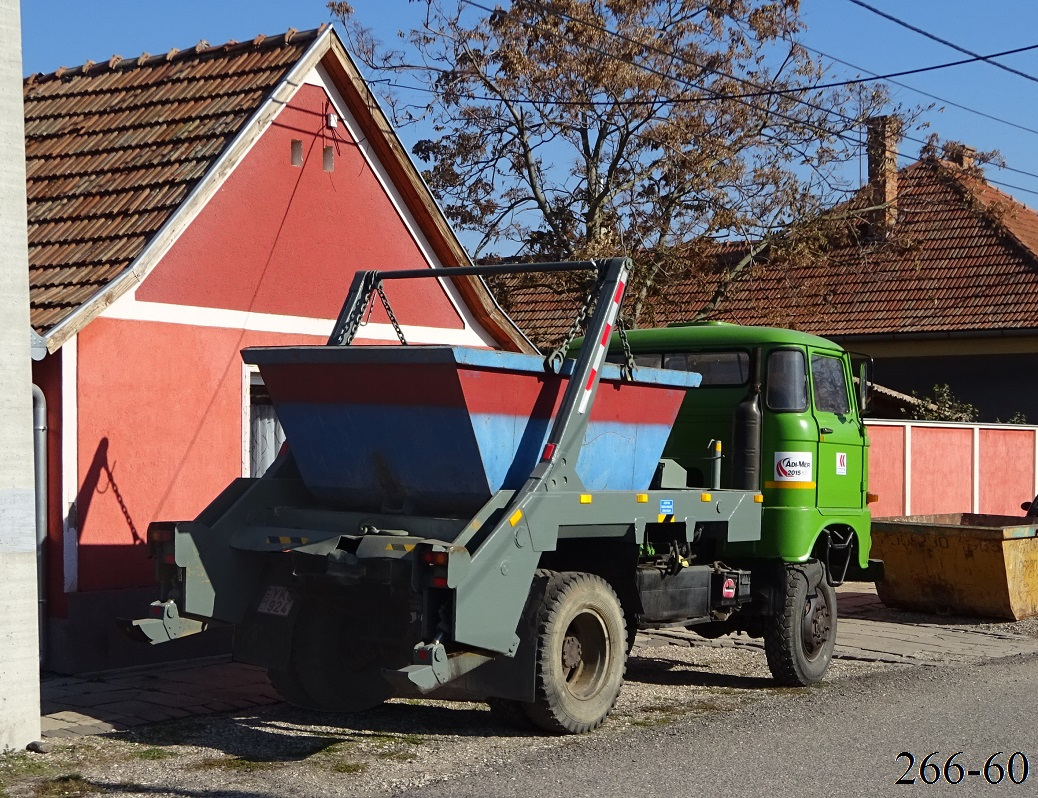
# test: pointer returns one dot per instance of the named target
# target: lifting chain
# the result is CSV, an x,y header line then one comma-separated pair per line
x,y
554,361
389,312
627,368
354,322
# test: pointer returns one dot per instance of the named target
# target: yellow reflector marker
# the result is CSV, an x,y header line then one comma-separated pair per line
x,y
871,498
705,497
585,498
285,541
759,498
643,498
790,485
517,516
717,446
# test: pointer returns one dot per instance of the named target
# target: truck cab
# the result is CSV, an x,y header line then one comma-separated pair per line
x,y
781,409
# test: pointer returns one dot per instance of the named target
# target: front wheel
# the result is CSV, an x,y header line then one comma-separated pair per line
x,y
800,636
581,654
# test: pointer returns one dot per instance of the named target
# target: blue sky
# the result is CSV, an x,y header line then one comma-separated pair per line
x,y
64,33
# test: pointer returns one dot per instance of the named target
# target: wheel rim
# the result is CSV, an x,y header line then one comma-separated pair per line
x,y
816,625
584,657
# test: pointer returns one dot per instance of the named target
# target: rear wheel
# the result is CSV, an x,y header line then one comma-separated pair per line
x,y
581,654
800,637
331,669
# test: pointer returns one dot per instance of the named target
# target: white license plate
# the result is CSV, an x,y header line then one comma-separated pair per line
x,y
276,601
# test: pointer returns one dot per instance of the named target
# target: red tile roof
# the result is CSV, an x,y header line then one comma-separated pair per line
x,y
113,148
963,258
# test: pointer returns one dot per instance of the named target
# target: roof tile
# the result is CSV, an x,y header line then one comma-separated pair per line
x,y
966,260
112,148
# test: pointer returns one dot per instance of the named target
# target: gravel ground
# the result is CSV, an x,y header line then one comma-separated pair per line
x,y
283,751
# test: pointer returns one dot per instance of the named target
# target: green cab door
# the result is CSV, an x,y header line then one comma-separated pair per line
x,y
840,466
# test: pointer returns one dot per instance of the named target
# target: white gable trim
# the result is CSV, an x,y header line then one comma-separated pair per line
x,y
319,77
70,463
128,308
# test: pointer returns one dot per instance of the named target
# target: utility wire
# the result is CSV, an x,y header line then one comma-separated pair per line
x,y
952,103
745,81
938,39
770,92
690,62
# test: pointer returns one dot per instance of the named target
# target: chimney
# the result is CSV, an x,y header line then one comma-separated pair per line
x,y
884,133
962,156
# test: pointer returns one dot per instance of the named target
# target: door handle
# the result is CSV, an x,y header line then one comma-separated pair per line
x,y
825,431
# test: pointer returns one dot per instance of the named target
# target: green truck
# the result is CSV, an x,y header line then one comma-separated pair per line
x,y
466,524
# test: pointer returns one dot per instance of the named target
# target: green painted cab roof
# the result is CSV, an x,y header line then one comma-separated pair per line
x,y
716,334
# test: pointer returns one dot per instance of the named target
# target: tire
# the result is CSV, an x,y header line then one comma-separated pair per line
x,y
581,654
799,639
326,670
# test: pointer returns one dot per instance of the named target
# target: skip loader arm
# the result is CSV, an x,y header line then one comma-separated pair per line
x,y
491,572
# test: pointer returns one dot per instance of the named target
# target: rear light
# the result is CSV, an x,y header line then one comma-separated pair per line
x,y
430,557
159,534
439,581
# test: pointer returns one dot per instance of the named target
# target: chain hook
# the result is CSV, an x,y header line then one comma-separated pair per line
x,y
555,360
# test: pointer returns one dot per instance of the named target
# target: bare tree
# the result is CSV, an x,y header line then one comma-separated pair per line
x,y
583,128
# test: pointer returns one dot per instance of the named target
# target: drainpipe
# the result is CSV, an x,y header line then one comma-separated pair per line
x,y
39,440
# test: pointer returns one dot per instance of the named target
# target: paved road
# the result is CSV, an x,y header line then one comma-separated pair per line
x,y
841,739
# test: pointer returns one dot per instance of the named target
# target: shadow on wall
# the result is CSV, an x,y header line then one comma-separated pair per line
x,y
93,486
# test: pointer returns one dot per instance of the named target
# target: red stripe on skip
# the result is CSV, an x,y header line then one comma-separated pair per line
x,y
590,379
605,335
619,293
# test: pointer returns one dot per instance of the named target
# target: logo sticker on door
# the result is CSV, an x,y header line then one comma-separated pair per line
x,y
793,466
841,463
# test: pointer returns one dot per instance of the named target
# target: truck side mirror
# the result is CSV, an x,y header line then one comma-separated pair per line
x,y
864,367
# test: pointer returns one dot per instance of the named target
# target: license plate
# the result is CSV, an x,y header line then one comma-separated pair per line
x,y
276,601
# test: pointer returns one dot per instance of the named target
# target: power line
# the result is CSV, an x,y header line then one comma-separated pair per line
x,y
765,93
828,111
676,57
938,39
952,103
745,81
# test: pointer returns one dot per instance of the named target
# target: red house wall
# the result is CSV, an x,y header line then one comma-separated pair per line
x,y
287,240
160,405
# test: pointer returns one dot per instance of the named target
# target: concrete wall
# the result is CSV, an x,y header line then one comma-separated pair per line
x,y
19,649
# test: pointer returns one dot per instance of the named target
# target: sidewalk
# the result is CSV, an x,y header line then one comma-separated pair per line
x,y
867,630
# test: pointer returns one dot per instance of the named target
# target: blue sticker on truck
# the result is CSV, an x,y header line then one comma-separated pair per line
x,y
666,507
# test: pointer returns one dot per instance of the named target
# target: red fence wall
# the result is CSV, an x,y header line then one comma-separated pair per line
x,y
924,467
